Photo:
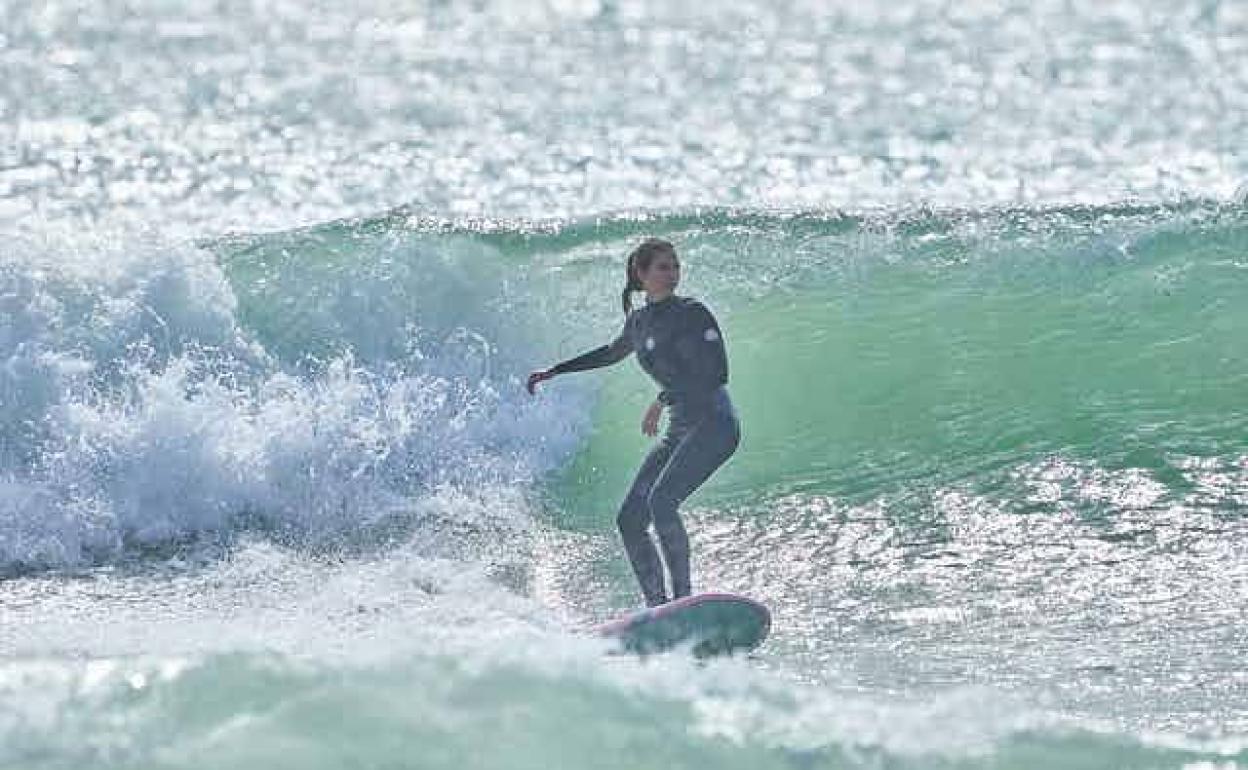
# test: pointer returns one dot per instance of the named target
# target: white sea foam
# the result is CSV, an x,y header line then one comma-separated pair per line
x,y
139,411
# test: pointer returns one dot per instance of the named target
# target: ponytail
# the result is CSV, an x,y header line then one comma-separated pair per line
x,y
631,284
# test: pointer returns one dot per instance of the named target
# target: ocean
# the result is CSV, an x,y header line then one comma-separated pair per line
x,y
272,277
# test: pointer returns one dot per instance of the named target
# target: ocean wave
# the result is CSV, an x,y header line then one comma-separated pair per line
x,y
322,380
144,405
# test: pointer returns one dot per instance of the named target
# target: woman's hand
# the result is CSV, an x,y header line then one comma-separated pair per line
x,y
536,377
650,423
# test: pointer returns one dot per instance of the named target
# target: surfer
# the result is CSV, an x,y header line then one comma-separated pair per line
x,y
679,344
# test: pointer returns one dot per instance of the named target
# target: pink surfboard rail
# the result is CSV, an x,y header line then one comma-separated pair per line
x,y
634,619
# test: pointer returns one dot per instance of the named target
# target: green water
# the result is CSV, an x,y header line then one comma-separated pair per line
x,y
925,364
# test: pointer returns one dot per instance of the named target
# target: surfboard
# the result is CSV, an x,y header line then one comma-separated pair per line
x,y
710,624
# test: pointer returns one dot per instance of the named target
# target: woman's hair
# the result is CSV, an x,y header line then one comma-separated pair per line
x,y
639,261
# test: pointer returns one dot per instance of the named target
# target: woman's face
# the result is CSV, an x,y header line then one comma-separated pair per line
x,y
662,277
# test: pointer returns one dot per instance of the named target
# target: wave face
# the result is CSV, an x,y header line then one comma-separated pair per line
x,y
992,484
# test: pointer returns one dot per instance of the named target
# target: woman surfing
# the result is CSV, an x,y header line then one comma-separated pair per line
x,y
679,344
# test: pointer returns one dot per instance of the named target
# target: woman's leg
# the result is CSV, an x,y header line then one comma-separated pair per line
x,y
695,458
634,523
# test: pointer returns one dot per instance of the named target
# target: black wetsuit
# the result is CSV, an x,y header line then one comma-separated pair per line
x,y
679,344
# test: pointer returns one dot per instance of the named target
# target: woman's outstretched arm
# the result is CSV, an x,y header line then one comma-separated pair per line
x,y
603,355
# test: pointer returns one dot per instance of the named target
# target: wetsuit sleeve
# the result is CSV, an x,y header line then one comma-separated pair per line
x,y
700,345
603,355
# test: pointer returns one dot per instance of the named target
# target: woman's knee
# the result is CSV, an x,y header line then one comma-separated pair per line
x,y
734,433
665,512
662,504
633,517
725,445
